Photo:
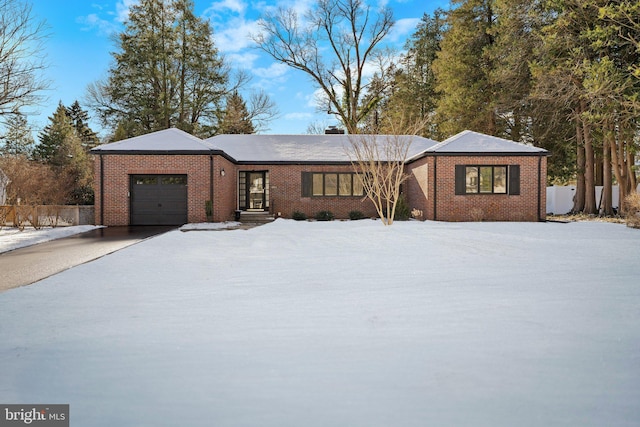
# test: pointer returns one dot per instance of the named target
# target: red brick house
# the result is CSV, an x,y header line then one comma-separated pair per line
x,y
167,177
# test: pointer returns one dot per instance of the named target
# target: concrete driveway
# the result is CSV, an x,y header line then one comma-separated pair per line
x,y
28,265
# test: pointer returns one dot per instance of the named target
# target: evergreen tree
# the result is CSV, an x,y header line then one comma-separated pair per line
x,y
80,121
236,118
18,139
560,72
61,148
463,68
167,72
51,137
414,90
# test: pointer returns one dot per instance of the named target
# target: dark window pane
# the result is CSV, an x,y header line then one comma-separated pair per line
x,y
345,184
318,184
146,180
500,179
472,179
486,179
331,184
174,180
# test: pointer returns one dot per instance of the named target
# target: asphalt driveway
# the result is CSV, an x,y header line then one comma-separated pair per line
x,y
28,265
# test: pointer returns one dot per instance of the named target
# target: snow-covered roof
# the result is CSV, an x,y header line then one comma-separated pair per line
x,y
297,148
167,140
474,142
305,148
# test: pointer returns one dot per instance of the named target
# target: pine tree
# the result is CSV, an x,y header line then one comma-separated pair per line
x,y
463,69
52,135
236,119
80,121
61,148
18,139
167,72
414,90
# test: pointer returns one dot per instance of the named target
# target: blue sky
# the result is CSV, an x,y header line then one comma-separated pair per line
x,y
81,41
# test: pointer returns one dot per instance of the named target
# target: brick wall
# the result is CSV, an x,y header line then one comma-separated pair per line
x,y
117,168
285,192
486,207
225,188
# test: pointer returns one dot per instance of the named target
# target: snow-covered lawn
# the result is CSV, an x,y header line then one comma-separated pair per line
x,y
339,324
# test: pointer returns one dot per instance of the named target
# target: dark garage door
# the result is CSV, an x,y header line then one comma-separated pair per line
x,y
158,199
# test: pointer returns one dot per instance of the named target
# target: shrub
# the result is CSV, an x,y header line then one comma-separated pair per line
x,y
324,216
356,215
403,212
632,209
299,216
476,214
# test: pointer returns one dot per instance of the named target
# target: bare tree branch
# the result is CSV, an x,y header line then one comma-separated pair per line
x,y
332,47
21,58
379,161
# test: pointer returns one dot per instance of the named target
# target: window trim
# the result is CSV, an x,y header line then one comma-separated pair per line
x,y
512,180
308,184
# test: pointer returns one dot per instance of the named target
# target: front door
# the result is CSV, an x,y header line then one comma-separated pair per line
x,y
256,191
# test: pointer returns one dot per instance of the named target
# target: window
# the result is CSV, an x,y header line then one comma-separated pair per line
x,y
480,179
146,180
174,180
331,184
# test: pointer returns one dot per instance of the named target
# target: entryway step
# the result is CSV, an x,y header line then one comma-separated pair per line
x,y
256,217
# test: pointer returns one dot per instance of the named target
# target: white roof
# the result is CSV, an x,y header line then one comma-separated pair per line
x,y
167,140
306,148
297,148
474,142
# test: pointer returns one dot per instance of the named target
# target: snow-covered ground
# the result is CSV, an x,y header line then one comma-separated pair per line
x,y
12,238
339,324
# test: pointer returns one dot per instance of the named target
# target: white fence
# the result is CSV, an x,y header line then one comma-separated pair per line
x,y
560,198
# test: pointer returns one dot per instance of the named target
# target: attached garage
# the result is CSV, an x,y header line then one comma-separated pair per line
x,y
158,199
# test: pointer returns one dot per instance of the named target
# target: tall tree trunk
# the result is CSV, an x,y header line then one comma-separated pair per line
x,y
578,198
606,206
633,180
589,167
616,163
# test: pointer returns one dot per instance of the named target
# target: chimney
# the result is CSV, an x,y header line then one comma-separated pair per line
x,y
333,130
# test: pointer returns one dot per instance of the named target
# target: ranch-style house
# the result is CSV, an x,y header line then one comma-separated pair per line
x,y
170,176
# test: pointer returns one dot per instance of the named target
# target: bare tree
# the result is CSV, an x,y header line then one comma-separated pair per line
x,y
379,161
332,44
21,59
262,110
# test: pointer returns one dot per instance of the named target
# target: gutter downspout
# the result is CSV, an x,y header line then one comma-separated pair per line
x,y
211,184
435,187
540,219
101,190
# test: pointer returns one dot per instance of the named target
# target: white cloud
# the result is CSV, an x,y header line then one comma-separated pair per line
x,y
243,60
402,28
122,9
94,22
235,35
236,6
274,71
